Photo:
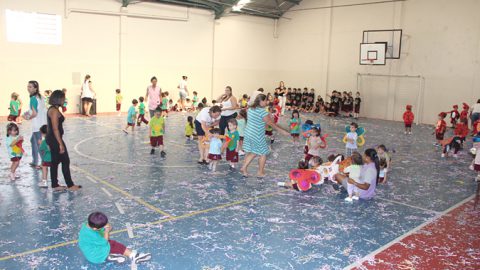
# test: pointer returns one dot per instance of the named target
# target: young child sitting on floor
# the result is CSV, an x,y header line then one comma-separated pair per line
x,y
95,244
354,173
292,184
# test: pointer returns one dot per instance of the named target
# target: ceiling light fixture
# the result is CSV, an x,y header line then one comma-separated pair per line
x,y
240,5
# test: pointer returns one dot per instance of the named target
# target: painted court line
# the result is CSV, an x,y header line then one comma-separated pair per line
x,y
408,205
124,193
129,230
91,179
120,208
171,218
359,263
106,192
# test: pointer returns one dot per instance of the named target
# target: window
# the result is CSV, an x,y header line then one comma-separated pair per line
x,y
31,27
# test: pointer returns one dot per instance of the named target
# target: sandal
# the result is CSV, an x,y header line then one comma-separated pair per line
x,y
74,188
59,188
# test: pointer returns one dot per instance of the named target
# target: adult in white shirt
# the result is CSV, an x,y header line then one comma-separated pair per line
x,y
254,96
38,114
183,92
475,109
87,95
153,97
229,106
207,118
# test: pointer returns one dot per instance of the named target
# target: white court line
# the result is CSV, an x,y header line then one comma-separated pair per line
x,y
359,263
408,205
120,208
91,179
106,192
129,230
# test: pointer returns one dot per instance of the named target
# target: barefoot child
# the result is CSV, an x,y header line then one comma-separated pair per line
x,y
46,156
14,148
97,247
354,173
118,101
232,147
131,116
157,129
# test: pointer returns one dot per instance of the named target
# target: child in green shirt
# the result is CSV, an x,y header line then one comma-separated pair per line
x,y
14,107
131,116
95,244
165,104
141,112
46,156
118,101
157,129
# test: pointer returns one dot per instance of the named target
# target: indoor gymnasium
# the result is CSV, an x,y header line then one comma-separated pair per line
x,y
240,134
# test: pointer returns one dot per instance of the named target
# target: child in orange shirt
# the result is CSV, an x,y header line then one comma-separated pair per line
x,y
440,128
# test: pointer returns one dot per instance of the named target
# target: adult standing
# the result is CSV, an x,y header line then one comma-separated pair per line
x,y
254,143
208,117
57,146
254,96
282,96
369,174
475,110
229,107
38,115
183,92
153,96
87,95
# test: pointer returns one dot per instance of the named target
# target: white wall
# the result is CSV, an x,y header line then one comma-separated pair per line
x,y
125,52
441,42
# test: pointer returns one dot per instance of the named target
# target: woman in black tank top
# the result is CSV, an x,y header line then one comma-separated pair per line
x,y
57,145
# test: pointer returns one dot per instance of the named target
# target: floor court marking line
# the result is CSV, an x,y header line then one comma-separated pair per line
x,y
106,192
412,231
129,230
171,218
408,205
92,180
124,193
120,208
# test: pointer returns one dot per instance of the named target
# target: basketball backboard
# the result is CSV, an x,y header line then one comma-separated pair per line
x,y
372,53
393,38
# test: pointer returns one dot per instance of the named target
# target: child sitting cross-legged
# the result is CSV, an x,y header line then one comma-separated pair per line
x,y
354,173
97,247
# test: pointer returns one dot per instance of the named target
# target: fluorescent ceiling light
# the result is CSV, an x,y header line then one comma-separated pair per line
x,y
240,5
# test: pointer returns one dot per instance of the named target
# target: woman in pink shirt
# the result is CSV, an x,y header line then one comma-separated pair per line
x,y
153,96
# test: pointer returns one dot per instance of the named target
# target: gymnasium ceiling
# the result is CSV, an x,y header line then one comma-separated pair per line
x,y
273,9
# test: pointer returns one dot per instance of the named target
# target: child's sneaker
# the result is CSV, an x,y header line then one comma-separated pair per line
x,y
443,155
116,258
241,153
355,197
140,257
471,167
163,154
16,176
406,133
272,141
43,184
410,133
348,199
152,151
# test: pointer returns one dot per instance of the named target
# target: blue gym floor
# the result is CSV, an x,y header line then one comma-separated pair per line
x,y
190,219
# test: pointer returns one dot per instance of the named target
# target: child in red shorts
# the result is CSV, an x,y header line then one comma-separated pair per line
x,y
232,147
157,129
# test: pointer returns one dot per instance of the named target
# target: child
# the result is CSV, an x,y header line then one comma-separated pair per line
x,y
232,147
295,124
47,97
440,128
188,105
461,130
241,124
95,244
65,103
292,184
475,166
454,116
14,108
408,118
356,105
189,128
354,173
14,148
384,156
165,104
451,143
132,113
118,101
244,101
215,150
351,144
19,117
314,143
269,129
157,129
195,99
46,157
170,107
383,170
141,113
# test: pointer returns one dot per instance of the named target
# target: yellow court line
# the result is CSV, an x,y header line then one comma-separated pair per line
x,y
171,218
123,192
